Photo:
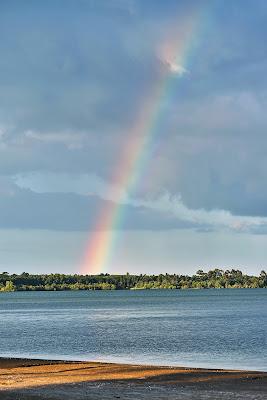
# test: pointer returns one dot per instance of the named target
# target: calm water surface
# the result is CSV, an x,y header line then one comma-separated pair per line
x,y
204,328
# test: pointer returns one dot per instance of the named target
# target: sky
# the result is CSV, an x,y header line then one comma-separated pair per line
x,y
76,76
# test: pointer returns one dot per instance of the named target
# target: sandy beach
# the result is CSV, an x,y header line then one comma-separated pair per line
x,y
38,379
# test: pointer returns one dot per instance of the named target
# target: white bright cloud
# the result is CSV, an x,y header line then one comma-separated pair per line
x,y
216,219
176,68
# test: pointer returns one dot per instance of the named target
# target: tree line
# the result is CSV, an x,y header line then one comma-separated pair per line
x,y
216,278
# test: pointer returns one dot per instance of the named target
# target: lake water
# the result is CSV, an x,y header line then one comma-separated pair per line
x,y
202,328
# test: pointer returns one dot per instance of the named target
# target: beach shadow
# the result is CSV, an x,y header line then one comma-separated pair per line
x,y
192,385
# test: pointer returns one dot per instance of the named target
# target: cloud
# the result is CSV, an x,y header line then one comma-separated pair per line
x,y
217,220
212,152
7,187
170,64
65,210
69,139
77,183
176,68
164,212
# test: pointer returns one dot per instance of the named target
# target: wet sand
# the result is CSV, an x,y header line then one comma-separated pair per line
x,y
22,379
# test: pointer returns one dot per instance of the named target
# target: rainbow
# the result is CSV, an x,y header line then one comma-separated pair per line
x,y
175,54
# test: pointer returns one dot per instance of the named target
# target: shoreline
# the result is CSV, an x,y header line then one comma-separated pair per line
x,y
36,290
61,360
55,379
